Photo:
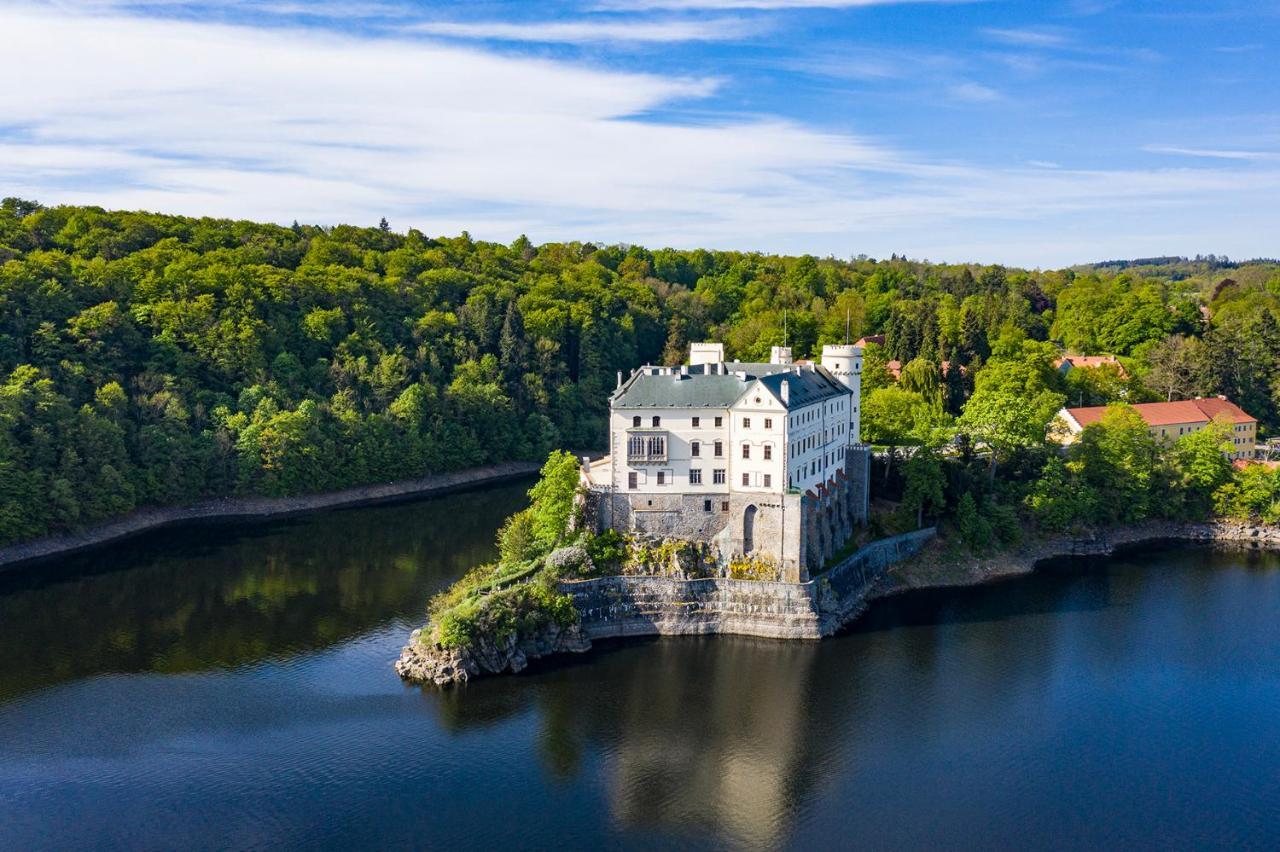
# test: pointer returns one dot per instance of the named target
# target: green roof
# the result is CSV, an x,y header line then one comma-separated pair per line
x,y
700,389
692,391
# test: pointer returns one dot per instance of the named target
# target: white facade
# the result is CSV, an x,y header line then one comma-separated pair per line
x,y
759,428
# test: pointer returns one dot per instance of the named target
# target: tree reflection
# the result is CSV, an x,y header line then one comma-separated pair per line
x,y
223,595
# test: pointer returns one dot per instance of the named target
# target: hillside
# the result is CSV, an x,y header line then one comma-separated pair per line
x,y
148,359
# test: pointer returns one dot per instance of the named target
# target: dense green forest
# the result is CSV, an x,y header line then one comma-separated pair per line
x,y
149,359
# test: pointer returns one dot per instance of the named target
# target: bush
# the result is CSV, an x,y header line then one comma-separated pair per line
x,y
608,550
516,542
974,529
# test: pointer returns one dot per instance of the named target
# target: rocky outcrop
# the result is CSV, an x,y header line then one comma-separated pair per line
x,y
423,661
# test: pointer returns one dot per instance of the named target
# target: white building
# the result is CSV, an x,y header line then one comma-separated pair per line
x,y
757,458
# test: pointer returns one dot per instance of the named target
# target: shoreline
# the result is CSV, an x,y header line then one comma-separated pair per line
x,y
677,612
1027,557
229,509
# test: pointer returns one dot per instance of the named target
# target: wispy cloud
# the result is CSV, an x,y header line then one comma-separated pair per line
x,y
594,31
1029,37
643,5
288,123
1213,153
971,92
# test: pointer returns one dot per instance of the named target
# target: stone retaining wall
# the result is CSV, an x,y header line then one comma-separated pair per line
x,y
640,606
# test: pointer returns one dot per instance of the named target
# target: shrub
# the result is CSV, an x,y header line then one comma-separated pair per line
x,y
516,542
972,526
753,568
608,550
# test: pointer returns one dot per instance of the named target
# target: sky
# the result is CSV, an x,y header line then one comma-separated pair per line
x,y
1039,133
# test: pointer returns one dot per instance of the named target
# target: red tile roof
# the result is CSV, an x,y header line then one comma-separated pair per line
x,y
1089,361
877,339
1241,464
1172,413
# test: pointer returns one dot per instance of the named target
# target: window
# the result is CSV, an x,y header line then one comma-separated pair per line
x,y
768,423
657,421
695,476
746,451
717,476
706,505
695,448
719,422
697,421
724,507
746,480
719,449
631,480
768,451
768,481
746,423
635,446
635,422
662,477
657,446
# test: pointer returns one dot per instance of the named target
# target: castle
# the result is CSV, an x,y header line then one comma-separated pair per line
x,y
759,460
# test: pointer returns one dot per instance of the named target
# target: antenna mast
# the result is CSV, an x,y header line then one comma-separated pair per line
x,y
846,325
784,326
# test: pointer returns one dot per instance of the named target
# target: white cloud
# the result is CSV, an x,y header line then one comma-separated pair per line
x,y
1029,37
974,92
282,124
644,5
1212,153
593,31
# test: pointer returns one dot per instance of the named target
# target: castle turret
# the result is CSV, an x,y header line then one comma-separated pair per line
x,y
844,363
780,355
706,353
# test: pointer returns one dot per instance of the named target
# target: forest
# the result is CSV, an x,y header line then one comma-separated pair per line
x,y
150,359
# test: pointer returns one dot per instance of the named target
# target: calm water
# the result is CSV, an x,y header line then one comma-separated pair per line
x,y
232,687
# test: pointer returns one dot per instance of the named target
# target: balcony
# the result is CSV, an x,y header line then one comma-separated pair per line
x,y
647,446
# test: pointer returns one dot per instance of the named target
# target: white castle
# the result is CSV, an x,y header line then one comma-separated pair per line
x,y
759,459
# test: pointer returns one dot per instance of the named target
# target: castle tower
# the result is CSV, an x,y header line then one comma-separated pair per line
x,y
780,355
844,362
706,353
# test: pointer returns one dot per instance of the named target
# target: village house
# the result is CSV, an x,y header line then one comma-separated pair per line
x,y
1168,421
761,460
1067,363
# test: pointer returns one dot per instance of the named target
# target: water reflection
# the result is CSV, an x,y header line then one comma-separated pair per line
x,y
222,595
1013,715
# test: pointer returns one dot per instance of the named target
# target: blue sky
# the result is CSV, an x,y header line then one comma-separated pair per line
x,y
1032,133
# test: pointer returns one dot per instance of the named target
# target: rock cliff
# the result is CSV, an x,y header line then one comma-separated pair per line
x,y
423,661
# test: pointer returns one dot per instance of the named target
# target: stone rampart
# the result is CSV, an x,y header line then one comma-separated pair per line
x,y
639,606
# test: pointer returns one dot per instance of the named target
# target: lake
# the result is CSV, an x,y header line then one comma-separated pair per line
x,y
231,686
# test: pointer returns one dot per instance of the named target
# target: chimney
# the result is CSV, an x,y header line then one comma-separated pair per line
x,y
786,392
619,378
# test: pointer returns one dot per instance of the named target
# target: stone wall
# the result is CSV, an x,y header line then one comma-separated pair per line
x,y
776,522
846,586
638,606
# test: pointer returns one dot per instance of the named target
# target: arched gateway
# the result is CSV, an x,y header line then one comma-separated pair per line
x,y
748,529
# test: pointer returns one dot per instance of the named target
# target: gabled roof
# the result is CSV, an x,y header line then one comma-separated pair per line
x,y
1172,413
699,386
1089,362
804,387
